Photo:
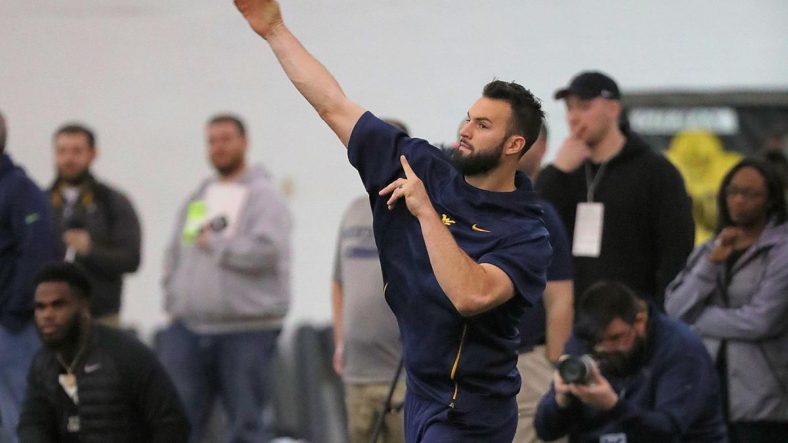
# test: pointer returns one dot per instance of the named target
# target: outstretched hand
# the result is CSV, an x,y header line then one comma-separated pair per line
x,y
263,15
411,188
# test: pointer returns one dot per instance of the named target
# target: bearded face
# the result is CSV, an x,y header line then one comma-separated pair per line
x,y
623,363
477,163
57,314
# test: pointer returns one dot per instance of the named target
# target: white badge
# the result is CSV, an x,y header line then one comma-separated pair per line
x,y
613,438
73,424
587,241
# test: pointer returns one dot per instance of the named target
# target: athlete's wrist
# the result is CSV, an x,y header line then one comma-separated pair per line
x,y
427,214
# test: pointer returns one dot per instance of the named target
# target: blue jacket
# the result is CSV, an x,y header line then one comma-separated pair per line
x,y
674,397
26,242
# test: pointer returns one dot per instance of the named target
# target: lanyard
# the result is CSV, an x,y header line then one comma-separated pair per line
x,y
592,183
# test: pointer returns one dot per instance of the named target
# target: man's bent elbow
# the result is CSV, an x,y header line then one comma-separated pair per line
x,y
468,306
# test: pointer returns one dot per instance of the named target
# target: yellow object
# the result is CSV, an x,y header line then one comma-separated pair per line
x,y
196,214
703,162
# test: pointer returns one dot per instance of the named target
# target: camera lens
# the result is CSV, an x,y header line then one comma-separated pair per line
x,y
574,369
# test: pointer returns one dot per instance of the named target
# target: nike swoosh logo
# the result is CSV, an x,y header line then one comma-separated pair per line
x,y
475,227
32,218
92,368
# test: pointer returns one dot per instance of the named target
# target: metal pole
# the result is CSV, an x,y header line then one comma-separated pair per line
x,y
386,405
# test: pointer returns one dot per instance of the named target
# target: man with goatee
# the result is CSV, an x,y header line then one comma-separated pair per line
x,y
227,287
96,223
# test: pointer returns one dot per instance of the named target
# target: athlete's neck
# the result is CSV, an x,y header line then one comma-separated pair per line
x,y
500,179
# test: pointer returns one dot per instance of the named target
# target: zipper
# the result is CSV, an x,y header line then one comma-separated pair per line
x,y
453,375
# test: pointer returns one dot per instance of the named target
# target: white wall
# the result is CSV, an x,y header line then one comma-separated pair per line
x,y
146,74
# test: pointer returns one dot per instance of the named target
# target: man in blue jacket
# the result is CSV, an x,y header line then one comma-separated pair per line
x,y
651,379
462,246
25,245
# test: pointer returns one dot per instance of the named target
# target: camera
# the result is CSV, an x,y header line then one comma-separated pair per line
x,y
575,369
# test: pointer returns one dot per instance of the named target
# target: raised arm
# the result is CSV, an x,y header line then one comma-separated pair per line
x,y
310,77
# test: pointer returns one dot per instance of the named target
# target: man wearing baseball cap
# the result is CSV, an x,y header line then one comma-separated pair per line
x,y
624,206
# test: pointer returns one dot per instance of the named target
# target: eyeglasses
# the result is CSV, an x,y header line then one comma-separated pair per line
x,y
732,191
614,341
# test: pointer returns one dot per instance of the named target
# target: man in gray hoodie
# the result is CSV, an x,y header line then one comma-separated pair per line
x,y
227,287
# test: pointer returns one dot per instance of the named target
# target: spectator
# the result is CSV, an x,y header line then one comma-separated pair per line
x,y
227,288
90,382
546,326
625,206
734,293
367,339
652,380
97,224
26,243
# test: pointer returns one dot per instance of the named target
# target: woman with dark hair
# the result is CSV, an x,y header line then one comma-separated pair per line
x,y
734,293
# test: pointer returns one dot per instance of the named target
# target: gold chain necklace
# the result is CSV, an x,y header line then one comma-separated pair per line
x,y
69,380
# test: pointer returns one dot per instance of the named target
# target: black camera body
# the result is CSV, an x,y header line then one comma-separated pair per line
x,y
576,370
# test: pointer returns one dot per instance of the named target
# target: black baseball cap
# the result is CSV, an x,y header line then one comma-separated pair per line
x,y
590,84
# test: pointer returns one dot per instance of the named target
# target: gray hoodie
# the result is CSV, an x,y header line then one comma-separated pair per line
x,y
240,282
752,322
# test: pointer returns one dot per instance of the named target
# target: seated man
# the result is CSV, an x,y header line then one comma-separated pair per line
x,y
89,382
649,378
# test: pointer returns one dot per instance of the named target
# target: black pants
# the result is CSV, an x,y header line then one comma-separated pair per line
x,y
758,432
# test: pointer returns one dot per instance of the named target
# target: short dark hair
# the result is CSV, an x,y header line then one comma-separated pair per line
x,y
779,163
600,304
3,133
229,118
775,204
77,128
527,113
68,273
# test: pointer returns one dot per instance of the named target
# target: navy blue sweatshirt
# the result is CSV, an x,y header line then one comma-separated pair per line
x,y
450,359
673,397
26,242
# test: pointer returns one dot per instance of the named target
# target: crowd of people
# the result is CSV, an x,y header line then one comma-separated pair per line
x,y
477,296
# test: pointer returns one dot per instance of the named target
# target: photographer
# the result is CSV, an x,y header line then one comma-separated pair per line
x,y
632,375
